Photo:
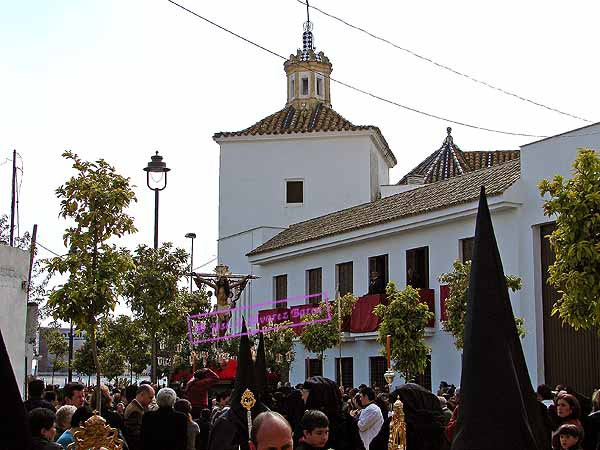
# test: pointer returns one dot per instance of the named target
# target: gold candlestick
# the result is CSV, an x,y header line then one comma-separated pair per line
x,y
248,401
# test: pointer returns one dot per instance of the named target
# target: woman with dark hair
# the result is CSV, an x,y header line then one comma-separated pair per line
x,y
568,411
324,395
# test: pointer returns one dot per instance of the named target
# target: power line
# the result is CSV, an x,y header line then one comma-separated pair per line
x,y
354,88
48,250
442,66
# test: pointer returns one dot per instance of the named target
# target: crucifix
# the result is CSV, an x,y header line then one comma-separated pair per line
x,y
228,288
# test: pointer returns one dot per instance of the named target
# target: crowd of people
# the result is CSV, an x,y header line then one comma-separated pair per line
x,y
313,415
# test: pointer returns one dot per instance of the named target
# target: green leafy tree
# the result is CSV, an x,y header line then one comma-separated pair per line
x,y
279,344
456,303
57,346
575,272
94,201
83,360
155,300
404,318
122,342
317,337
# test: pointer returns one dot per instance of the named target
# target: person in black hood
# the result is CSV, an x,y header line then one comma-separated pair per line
x,y
230,430
424,419
324,395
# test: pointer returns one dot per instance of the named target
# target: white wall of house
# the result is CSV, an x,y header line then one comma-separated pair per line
x,y
443,240
542,160
339,170
253,171
14,272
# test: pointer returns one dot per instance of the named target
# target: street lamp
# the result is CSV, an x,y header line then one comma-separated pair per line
x,y
191,236
156,166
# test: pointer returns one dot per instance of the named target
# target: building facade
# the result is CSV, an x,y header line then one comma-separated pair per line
x,y
285,218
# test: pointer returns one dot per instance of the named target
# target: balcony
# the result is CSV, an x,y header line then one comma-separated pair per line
x,y
362,320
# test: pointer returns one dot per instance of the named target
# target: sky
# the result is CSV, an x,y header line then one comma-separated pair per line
x,y
120,80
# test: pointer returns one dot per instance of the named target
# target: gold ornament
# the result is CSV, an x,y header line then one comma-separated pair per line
x,y
96,434
397,439
248,401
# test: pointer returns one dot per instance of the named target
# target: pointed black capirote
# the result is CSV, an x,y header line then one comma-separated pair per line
x,y
13,417
498,408
244,377
260,367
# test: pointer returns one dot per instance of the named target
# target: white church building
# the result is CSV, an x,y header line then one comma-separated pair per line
x,y
284,218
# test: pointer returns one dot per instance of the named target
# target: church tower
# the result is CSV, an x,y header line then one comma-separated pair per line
x,y
308,74
301,162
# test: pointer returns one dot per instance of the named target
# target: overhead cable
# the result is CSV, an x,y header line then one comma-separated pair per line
x,y
443,66
362,91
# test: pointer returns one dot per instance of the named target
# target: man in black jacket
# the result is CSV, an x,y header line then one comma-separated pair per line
x,y
35,389
165,428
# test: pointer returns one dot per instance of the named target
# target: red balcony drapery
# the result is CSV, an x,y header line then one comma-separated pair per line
x,y
363,319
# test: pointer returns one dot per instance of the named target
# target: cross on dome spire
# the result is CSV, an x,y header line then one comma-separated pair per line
x,y
308,40
308,72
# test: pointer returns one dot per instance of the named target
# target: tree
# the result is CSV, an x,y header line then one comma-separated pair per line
x,y
121,341
404,318
456,303
575,241
279,344
317,337
83,360
57,346
94,200
154,298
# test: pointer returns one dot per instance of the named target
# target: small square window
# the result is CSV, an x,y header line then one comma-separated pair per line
x,y
294,192
304,86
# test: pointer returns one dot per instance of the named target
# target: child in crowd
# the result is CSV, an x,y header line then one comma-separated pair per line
x,y
570,437
315,430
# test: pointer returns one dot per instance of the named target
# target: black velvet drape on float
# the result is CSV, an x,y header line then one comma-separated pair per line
x,y
498,407
14,421
230,431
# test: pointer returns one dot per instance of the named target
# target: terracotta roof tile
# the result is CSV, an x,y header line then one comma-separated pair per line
x,y
450,161
430,197
315,118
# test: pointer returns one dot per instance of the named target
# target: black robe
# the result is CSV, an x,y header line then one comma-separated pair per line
x,y
230,430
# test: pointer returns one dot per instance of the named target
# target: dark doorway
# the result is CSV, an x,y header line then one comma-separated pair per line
x,y
379,264
570,357
345,278
314,278
417,268
314,367
378,366
347,371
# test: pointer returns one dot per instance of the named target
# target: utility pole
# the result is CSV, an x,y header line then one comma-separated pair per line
x,y
12,198
31,257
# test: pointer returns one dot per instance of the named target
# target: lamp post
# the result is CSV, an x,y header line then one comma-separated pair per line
x,y
156,166
191,236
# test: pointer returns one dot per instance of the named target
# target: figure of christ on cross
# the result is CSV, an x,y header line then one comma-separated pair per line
x,y
228,288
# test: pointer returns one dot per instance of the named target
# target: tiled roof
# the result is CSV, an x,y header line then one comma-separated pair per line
x,y
429,197
314,118
450,161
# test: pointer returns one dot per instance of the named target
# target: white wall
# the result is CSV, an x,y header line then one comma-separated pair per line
x,y
443,242
541,160
14,271
252,174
